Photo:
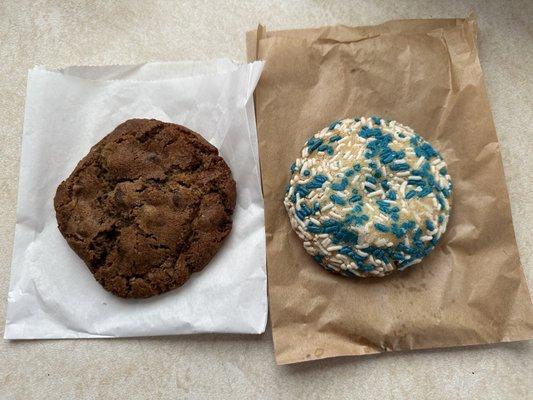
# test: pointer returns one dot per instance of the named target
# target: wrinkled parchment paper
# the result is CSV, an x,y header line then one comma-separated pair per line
x,y
52,293
425,74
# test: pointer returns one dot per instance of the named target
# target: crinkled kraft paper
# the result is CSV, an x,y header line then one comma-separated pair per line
x,y
425,74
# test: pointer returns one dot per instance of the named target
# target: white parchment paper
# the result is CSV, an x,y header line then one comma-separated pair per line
x,y
52,293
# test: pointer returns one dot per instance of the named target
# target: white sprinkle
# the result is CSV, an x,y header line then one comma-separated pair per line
x,y
403,173
390,244
345,138
323,249
326,242
376,193
402,188
291,191
314,221
341,195
415,177
334,248
370,207
347,209
400,161
366,169
361,253
426,238
420,162
322,235
381,242
369,185
328,207
334,267
335,215
362,246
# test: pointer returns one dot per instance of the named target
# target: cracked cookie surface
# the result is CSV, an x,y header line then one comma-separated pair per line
x,y
149,205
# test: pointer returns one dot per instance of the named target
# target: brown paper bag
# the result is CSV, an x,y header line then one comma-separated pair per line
x,y
425,74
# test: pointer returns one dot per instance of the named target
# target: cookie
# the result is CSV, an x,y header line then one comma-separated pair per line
x,y
149,205
368,197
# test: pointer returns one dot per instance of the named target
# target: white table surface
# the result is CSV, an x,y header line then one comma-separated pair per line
x,y
56,33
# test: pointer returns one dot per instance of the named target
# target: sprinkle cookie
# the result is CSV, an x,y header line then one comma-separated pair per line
x,y
368,197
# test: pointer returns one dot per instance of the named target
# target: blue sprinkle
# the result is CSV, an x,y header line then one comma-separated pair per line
x,y
385,185
441,201
355,198
337,200
398,232
377,174
415,182
357,208
313,228
365,267
331,229
397,256
318,258
340,186
321,178
335,138
357,168
429,225
382,203
316,207
416,236
399,167
391,194
294,168
425,191
376,120
371,179
313,144
400,134
443,171
300,214
350,172
387,158
410,194
428,151
306,209
333,124
441,219
361,220
287,188
366,132
407,225
307,172
381,227
372,165
446,192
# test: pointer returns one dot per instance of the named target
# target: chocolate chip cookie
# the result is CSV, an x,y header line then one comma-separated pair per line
x,y
149,205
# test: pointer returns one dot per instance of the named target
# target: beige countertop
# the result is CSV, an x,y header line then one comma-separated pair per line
x,y
214,366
